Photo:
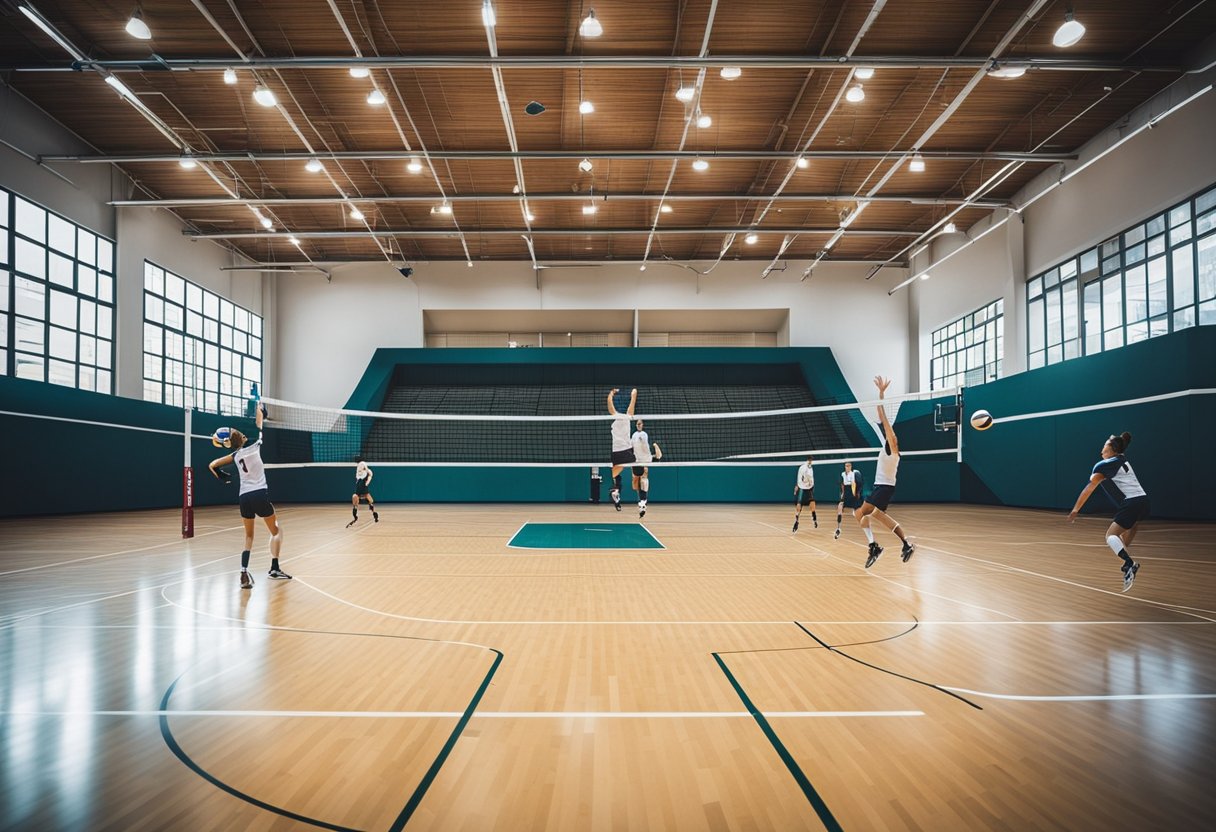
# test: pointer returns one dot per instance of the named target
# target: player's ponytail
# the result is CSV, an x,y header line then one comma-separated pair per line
x,y
1119,443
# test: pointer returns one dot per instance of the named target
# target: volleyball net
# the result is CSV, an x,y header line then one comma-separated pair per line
x,y
307,435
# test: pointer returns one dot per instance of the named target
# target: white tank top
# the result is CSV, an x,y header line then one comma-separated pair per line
x,y
888,464
806,476
249,465
620,433
641,446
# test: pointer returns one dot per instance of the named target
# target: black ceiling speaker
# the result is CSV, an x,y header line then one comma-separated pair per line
x,y
534,108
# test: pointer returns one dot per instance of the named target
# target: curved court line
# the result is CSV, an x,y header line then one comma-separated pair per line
x,y
1111,697
849,644
1160,604
885,670
808,790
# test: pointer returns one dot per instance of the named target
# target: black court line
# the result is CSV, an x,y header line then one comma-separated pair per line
x,y
812,796
220,784
885,670
849,644
429,777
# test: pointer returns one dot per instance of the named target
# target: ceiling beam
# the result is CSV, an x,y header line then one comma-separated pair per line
x,y
548,232
508,155
565,196
843,62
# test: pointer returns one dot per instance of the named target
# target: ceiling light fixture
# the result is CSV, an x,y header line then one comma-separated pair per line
x,y
136,27
265,96
295,241
925,276
751,239
469,264
685,94
376,98
314,166
855,94
950,228
589,209
119,87
700,165
530,217
49,30
803,162
355,213
187,162
359,72
864,73
665,208
1070,31
414,165
998,71
445,207
488,18
643,268
267,223
586,108
585,166
730,73
591,26
917,165
229,76
703,121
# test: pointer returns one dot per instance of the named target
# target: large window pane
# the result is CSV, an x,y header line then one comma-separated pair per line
x,y
63,344
1205,250
31,220
62,235
1069,308
1136,289
30,298
63,309
1035,327
32,367
5,281
1158,292
30,259
1092,311
30,336
1184,276
1112,303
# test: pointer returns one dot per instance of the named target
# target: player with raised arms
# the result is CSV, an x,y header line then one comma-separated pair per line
x,y
804,492
1114,473
641,471
850,494
884,486
253,497
363,482
622,448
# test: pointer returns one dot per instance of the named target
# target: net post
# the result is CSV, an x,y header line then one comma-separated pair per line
x,y
187,481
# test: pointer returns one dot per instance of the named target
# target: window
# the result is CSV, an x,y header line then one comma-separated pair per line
x,y
969,351
199,348
1156,277
56,298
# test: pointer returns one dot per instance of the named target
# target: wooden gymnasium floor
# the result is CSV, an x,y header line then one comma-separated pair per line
x,y
142,690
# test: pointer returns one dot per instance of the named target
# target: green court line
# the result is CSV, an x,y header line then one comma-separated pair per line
x,y
431,772
812,796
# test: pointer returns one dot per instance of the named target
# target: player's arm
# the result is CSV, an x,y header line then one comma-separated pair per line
x,y
658,452
611,406
370,474
217,466
1093,483
882,384
633,401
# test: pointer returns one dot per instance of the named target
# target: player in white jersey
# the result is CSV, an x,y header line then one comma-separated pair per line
x,y
850,494
1114,473
641,470
254,498
804,492
876,503
363,481
622,448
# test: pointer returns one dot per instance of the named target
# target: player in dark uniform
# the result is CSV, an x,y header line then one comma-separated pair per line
x,y
850,494
1114,473
363,481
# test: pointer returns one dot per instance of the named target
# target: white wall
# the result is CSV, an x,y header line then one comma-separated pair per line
x,y
371,305
1151,171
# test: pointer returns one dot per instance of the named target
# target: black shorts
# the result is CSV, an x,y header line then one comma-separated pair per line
x,y
624,457
880,496
806,495
360,489
850,499
639,470
256,504
1131,512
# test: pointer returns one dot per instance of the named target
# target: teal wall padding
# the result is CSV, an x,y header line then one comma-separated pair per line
x,y
1046,462
58,467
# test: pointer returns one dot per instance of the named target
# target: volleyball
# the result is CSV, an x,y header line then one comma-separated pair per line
x,y
981,420
222,438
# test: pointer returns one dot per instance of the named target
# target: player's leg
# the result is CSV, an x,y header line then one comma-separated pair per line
x,y
839,516
1115,540
891,523
814,516
371,504
616,485
354,509
276,543
246,578
797,508
641,484
863,519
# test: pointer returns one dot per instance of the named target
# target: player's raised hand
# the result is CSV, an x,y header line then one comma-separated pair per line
x,y
882,384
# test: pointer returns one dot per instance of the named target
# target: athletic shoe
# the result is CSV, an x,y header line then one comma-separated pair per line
x,y
836,535
641,512
875,551
376,516
816,522
907,551
1129,576
246,581
795,526
279,575
352,522
616,499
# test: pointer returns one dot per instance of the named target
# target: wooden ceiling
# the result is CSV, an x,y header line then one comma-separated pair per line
x,y
1140,46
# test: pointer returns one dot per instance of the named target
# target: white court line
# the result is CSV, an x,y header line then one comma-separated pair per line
x,y
1098,697
112,554
828,554
479,714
